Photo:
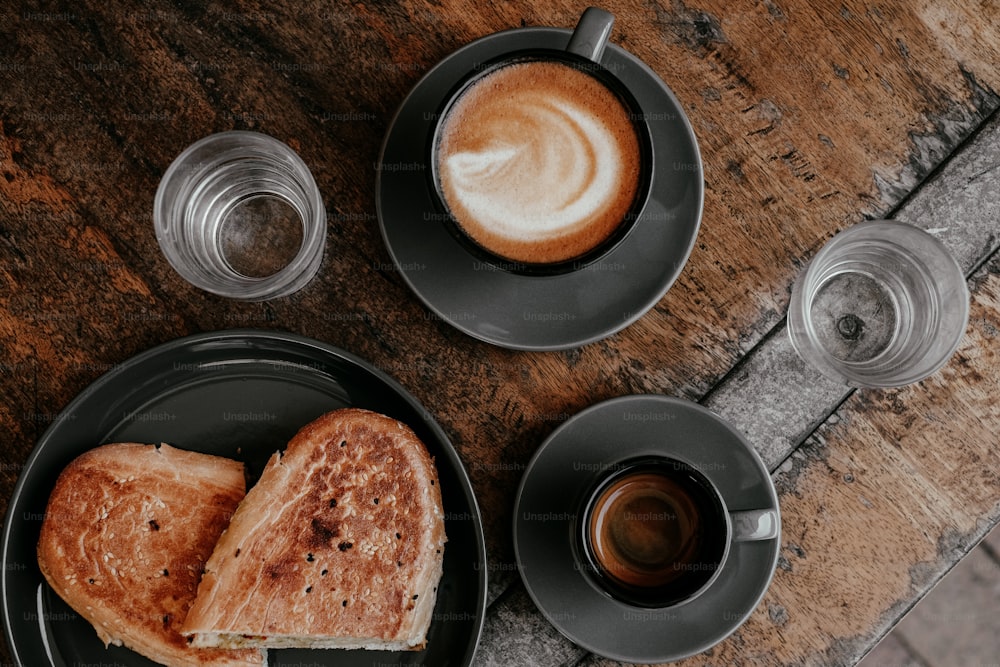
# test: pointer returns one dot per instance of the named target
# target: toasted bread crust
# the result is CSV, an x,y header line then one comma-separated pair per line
x,y
340,543
126,534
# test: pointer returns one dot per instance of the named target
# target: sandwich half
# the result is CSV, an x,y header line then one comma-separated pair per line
x,y
126,533
339,544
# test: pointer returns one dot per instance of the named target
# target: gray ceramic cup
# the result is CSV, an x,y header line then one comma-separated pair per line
x,y
655,532
583,53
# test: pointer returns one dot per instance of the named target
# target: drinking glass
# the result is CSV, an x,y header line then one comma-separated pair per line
x,y
238,214
883,304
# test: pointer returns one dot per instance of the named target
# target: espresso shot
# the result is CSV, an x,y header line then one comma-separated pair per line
x,y
654,533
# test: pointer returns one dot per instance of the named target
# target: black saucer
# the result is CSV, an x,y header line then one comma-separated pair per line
x,y
533,312
567,465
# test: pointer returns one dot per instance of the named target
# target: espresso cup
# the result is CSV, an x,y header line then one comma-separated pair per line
x,y
541,159
655,532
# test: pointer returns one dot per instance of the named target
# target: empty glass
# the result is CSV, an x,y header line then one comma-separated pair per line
x,y
238,214
883,304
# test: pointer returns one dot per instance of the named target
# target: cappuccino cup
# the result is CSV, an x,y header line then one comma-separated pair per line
x,y
541,159
655,532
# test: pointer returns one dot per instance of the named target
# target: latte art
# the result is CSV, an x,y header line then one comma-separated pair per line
x,y
538,162
547,167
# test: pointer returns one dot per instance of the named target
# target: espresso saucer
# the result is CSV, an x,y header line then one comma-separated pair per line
x,y
534,312
567,465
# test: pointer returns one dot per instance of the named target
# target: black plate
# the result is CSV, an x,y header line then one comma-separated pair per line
x,y
240,394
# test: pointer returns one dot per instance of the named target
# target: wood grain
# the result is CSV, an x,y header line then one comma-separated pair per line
x,y
878,505
808,119
777,402
772,396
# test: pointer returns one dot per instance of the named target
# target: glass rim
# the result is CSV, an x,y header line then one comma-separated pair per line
x,y
808,283
174,230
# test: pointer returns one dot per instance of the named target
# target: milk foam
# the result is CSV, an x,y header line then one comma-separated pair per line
x,y
538,162
544,174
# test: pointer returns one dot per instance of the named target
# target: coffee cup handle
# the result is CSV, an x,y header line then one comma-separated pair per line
x,y
751,525
591,34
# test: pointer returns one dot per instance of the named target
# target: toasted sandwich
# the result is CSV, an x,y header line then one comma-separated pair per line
x,y
338,545
127,531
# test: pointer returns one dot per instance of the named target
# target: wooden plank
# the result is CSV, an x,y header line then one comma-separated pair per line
x,y
777,401
955,623
787,160
772,396
891,652
878,505
807,118
516,634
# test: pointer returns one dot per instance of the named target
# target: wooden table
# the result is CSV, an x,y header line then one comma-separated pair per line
x,y
810,116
